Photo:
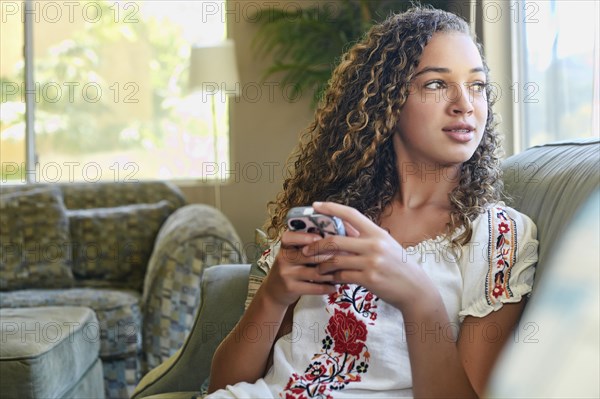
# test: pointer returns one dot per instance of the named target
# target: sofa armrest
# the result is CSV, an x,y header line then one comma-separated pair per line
x,y
193,238
224,289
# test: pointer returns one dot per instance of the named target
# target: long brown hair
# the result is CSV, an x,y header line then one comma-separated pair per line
x,y
346,154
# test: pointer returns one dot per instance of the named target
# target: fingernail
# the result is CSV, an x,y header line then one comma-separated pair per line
x,y
317,203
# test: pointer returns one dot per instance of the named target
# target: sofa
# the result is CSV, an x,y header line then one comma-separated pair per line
x,y
549,183
134,253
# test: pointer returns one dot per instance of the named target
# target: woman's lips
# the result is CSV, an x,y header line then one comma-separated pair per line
x,y
460,135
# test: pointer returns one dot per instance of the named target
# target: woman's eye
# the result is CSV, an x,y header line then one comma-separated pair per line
x,y
435,85
479,87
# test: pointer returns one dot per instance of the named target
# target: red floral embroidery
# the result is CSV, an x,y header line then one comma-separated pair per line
x,y
344,355
348,333
497,291
357,297
315,370
502,254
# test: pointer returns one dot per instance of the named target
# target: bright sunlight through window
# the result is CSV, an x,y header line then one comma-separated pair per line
x,y
112,101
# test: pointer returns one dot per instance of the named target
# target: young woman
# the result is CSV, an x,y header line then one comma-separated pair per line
x,y
419,297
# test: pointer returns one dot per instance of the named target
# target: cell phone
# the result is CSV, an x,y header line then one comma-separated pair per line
x,y
304,218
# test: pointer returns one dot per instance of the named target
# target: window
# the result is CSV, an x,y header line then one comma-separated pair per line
x,y
112,101
557,55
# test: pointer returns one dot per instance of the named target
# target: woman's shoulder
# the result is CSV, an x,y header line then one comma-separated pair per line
x,y
499,212
503,228
501,205
506,241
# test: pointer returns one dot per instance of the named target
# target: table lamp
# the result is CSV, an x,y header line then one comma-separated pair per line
x,y
213,70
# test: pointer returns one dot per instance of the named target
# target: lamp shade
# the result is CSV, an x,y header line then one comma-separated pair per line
x,y
214,68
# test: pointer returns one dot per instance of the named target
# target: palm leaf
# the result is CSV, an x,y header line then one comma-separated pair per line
x,y
306,44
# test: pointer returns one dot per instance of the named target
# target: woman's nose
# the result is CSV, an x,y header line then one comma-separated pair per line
x,y
460,100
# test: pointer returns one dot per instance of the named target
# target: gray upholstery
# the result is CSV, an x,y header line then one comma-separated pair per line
x,y
140,328
47,352
175,395
224,290
548,183
91,385
555,351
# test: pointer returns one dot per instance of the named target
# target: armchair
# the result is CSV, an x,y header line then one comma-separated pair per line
x,y
132,252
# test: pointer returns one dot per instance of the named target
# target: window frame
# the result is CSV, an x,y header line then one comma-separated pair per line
x,y
507,64
31,161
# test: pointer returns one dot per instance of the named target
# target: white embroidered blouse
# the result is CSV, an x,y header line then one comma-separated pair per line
x,y
351,344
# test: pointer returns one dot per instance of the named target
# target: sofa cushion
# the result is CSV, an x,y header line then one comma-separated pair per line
x,y
177,395
555,350
34,240
549,183
46,351
115,244
118,313
91,385
110,194
119,193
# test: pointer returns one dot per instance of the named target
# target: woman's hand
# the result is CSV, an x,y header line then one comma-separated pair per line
x,y
294,274
372,258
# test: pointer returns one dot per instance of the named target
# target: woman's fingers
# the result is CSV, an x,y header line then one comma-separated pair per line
x,y
350,230
362,224
294,239
341,262
296,256
312,274
291,248
337,245
287,281
308,288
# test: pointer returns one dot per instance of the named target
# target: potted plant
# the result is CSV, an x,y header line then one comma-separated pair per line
x,y
306,43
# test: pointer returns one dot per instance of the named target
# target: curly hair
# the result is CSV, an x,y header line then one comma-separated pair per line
x,y
346,155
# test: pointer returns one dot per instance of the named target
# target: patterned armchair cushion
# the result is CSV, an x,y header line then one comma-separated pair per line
x,y
34,240
115,244
110,194
118,328
118,313
194,238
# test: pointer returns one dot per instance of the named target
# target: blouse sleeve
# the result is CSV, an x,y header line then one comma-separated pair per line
x,y
259,270
507,242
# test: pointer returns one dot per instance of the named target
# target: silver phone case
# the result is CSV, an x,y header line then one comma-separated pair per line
x,y
323,225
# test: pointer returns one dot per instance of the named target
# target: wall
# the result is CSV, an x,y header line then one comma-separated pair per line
x,y
497,33
264,128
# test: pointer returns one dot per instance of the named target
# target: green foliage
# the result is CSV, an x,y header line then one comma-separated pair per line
x,y
75,125
306,44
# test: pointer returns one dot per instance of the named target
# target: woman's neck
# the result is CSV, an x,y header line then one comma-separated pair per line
x,y
423,185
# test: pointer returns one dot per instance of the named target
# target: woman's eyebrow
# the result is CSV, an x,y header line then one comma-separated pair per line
x,y
444,70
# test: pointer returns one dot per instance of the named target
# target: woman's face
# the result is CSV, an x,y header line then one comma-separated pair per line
x,y
444,116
